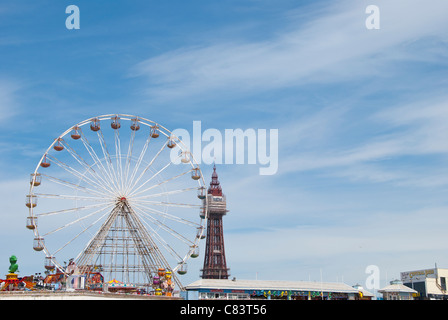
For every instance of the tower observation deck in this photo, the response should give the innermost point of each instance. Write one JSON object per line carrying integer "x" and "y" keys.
{"x": 215, "y": 266}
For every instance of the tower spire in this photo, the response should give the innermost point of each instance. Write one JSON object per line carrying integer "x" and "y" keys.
{"x": 215, "y": 187}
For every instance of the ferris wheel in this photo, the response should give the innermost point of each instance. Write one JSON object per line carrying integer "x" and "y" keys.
{"x": 120, "y": 195}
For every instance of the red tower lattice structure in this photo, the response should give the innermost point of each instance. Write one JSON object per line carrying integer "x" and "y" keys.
{"x": 215, "y": 266}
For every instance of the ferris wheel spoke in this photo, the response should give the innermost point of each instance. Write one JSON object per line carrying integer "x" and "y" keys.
{"x": 146, "y": 169}
{"x": 169, "y": 204}
{"x": 72, "y": 185}
{"x": 129, "y": 157}
{"x": 169, "y": 216}
{"x": 96, "y": 159}
{"x": 76, "y": 173}
{"x": 108, "y": 158}
{"x": 133, "y": 194}
{"x": 160, "y": 239}
{"x": 118, "y": 159}
{"x": 84, "y": 164}
{"x": 70, "y": 210}
{"x": 79, "y": 234}
{"x": 137, "y": 165}
{"x": 164, "y": 193}
{"x": 63, "y": 196}
{"x": 148, "y": 180}
{"x": 165, "y": 227}
{"x": 77, "y": 220}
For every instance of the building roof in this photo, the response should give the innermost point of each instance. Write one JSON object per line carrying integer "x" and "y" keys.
{"x": 270, "y": 285}
{"x": 397, "y": 287}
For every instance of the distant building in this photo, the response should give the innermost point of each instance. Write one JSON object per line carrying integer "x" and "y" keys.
{"x": 397, "y": 291}
{"x": 270, "y": 290}
{"x": 363, "y": 294}
{"x": 430, "y": 283}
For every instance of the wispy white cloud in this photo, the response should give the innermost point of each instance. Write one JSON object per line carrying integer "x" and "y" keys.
{"x": 330, "y": 48}
{"x": 413, "y": 130}
{"x": 8, "y": 99}
{"x": 381, "y": 238}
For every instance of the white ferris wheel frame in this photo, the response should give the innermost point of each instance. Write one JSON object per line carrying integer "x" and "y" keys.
{"x": 82, "y": 177}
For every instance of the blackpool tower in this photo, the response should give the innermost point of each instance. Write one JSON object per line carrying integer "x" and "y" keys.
{"x": 215, "y": 266}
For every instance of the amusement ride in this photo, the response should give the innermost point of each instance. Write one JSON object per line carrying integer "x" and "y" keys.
{"x": 120, "y": 196}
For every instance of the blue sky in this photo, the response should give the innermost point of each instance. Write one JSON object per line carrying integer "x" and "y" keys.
{"x": 362, "y": 118}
